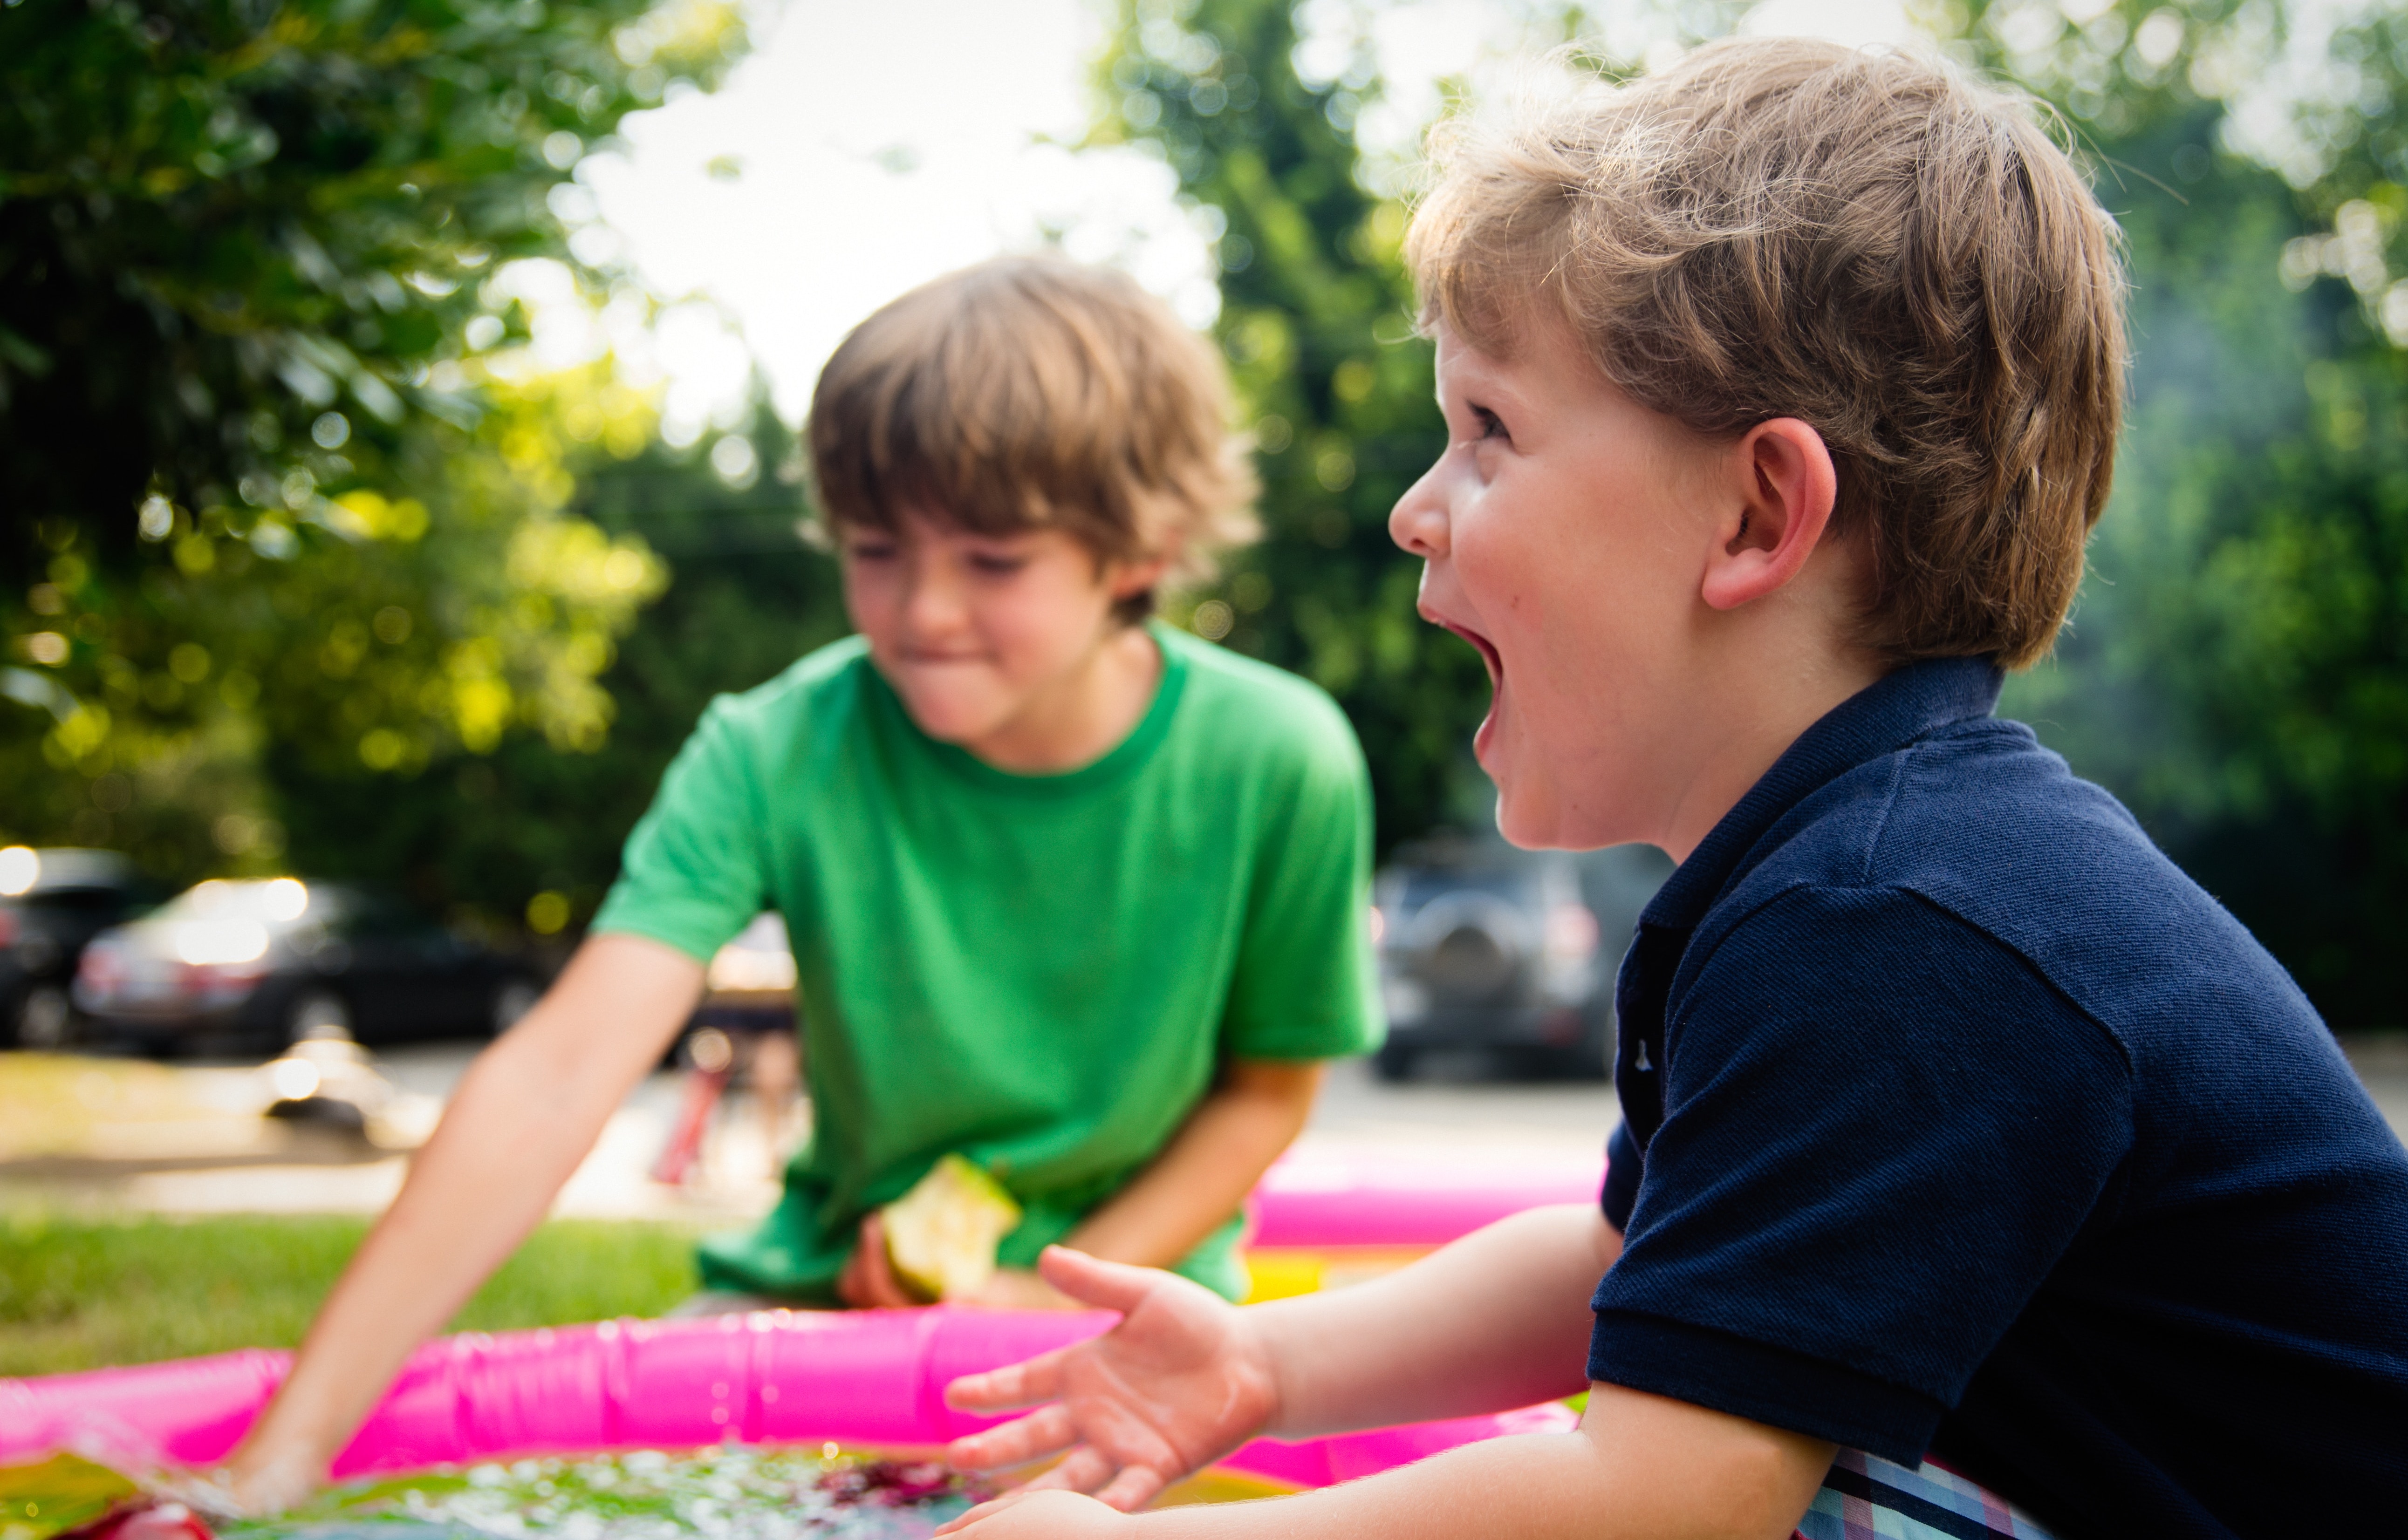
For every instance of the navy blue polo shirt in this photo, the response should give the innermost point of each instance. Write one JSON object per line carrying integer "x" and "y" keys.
{"x": 1959, "y": 1120}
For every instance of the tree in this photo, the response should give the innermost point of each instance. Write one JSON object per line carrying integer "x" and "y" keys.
{"x": 233, "y": 230}
{"x": 2237, "y": 669}
{"x": 265, "y": 501}
{"x": 529, "y": 830}
{"x": 1316, "y": 320}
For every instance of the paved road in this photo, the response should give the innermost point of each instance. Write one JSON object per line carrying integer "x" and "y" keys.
{"x": 189, "y": 1140}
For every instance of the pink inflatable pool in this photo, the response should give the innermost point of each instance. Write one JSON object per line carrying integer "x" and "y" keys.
{"x": 867, "y": 1378}
{"x": 1314, "y": 1199}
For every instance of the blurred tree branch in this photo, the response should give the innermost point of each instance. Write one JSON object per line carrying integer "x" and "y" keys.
{"x": 261, "y": 489}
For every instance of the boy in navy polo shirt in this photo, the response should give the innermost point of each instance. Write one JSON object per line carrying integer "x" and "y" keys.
{"x": 1978, "y": 1175}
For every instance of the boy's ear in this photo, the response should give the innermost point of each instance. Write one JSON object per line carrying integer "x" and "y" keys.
{"x": 1129, "y": 579}
{"x": 1787, "y": 486}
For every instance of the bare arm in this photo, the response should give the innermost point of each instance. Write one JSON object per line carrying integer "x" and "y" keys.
{"x": 526, "y": 1113}
{"x": 1496, "y": 1320}
{"x": 1438, "y": 1338}
{"x": 1208, "y": 1168}
{"x": 1640, "y": 1468}
{"x": 1500, "y": 1319}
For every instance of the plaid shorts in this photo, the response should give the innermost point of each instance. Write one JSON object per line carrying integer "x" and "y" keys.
{"x": 1865, "y": 1497}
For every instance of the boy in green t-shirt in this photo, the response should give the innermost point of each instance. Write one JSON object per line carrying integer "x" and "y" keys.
{"x": 1071, "y": 894}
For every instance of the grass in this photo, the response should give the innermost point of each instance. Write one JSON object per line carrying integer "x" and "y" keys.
{"x": 79, "y": 1293}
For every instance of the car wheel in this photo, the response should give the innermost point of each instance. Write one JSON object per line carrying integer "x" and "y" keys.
{"x": 1394, "y": 1063}
{"x": 514, "y": 999}
{"x": 319, "y": 1013}
{"x": 43, "y": 1017}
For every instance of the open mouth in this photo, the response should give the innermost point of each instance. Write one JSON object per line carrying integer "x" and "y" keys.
{"x": 1487, "y": 653}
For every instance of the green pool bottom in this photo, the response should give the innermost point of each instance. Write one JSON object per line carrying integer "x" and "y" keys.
{"x": 726, "y": 1493}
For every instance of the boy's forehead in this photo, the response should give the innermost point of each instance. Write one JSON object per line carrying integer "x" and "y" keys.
{"x": 1539, "y": 353}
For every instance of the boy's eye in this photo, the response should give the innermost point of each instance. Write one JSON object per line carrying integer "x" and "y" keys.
{"x": 869, "y": 550}
{"x": 1491, "y": 425}
{"x": 993, "y": 565}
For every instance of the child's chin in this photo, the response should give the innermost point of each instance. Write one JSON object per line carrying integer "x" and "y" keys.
{"x": 948, "y": 720}
{"x": 1522, "y": 824}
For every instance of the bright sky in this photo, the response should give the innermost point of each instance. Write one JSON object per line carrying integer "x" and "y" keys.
{"x": 863, "y": 149}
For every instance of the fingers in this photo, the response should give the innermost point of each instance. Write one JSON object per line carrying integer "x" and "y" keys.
{"x": 1033, "y": 1437}
{"x": 1112, "y": 1285}
{"x": 1012, "y": 1387}
{"x": 870, "y": 1274}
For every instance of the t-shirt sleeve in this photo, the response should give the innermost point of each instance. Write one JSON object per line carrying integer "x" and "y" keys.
{"x": 1305, "y": 985}
{"x": 1882, "y": 1129}
{"x": 693, "y": 874}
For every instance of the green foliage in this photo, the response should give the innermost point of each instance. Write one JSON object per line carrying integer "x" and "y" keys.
{"x": 2235, "y": 670}
{"x": 1316, "y": 318}
{"x": 277, "y": 497}
{"x": 77, "y": 1293}
{"x": 484, "y": 833}
{"x": 222, "y": 219}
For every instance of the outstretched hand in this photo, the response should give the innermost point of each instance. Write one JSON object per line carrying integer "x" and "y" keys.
{"x": 1180, "y": 1381}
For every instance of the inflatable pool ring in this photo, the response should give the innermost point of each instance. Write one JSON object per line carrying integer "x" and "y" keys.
{"x": 869, "y": 1378}
{"x": 1320, "y": 1220}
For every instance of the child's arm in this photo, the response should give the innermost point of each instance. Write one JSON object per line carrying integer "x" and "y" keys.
{"x": 1640, "y": 1468}
{"x": 524, "y": 1115}
{"x": 1208, "y": 1166}
{"x": 1499, "y": 1318}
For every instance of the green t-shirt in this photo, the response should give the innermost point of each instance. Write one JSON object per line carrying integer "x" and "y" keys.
{"x": 1040, "y": 972}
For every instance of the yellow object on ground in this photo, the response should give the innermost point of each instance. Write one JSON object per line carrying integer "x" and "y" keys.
{"x": 941, "y": 1236}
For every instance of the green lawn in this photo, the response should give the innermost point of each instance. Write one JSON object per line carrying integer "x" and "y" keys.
{"x": 76, "y": 1293}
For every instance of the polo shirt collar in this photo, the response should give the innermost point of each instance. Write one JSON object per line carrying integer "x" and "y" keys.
{"x": 1895, "y": 710}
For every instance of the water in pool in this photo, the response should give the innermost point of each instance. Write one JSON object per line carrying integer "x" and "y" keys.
{"x": 731, "y": 1493}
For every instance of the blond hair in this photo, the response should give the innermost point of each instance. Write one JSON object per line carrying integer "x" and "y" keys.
{"x": 1866, "y": 241}
{"x": 1032, "y": 392}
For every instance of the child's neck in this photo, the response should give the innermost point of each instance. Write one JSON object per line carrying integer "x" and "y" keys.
{"x": 1763, "y": 710}
{"x": 1084, "y": 715}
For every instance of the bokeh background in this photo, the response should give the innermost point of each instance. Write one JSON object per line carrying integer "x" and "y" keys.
{"x": 396, "y": 395}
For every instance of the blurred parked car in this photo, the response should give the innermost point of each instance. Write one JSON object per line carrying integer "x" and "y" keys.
{"x": 263, "y": 964}
{"x": 1484, "y": 947}
{"x": 51, "y": 903}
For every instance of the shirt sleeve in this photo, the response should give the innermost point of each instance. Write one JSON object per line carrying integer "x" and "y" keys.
{"x": 1881, "y": 1130}
{"x": 1305, "y": 985}
{"x": 694, "y": 873}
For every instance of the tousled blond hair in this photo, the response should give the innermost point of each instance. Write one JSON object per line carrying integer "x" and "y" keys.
{"x": 1029, "y": 393}
{"x": 1866, "y": 241}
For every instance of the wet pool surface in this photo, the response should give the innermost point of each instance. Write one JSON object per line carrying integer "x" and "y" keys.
{"x": 720, "y": 1494}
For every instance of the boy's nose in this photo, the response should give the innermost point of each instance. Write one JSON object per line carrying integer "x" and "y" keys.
{"x": 932, "y": 603}
{"x": 1418, "y": 522}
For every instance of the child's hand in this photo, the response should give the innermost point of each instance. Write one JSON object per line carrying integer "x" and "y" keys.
{"x": 1180, "y": 1382}
{"x": 254, "y": 1483}
{"x": 868, "y": 1280}
{"x": 1040, "y": 1515}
